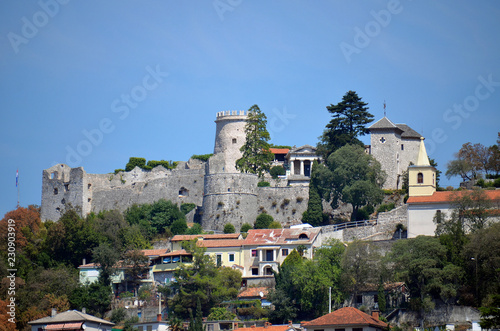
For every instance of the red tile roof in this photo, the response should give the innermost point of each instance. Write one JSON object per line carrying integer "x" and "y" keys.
{"x": 254, "y": 292}
{"x": 279, "y": 150}
{"x": 268, "y": 328}
{"x": 154, "y": 252}
{"x": 182, "y": 237}
{"x": 281, "y": 236}
{"x": 344, "y": 317}
{"x": 448, "y": 196}
{"x": 175, "y": 253}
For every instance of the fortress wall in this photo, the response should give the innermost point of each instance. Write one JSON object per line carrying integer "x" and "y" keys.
{"x": 284, "y": 204}
{"x": 229, "y": 198}
{"x": 124, "y": 189}
{"x": 62, "y": 186}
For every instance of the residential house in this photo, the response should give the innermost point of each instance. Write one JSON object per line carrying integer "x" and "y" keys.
{"x": 157, "y": 325}
{"x": 346, "y": 319}
{"x": 265, "y": 249}
{"x": 396, "y": 295}
{"x": 279, "y": 156}
{"x": 255, "y": 293}
{"x": 71, "y": 320}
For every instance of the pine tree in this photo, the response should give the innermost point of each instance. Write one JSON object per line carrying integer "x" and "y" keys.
{"x": 350, "y": 117}
{"x": 256, "y": 157}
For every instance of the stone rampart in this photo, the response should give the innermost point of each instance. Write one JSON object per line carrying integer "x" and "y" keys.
{"x": 284, "y": 204}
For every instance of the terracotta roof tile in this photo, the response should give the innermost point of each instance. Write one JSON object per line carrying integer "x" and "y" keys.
{"x": 448, "y": 196}
{"x": 345, "y": 316}
{"x": 153, "y": 252}
{"x": 281, "y": 236}
{"x": 254, "y": 292}
{"x": 182, "y": 237}
{"x": 269, "y": 328}
{"x": 279, "y": 150}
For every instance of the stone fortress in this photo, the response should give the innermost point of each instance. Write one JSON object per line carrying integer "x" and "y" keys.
{"x": 221, "y": 193}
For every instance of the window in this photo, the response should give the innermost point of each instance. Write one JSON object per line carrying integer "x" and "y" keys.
{"x": 66, "y": 187}
{"x": 149, "y": 328}
{"x": 56, "y": 191}
{"x": 382, "y": 140}
{"x": 255, "y": 271}
{"x": 402, "y": 147}
{"x": 231, "y": 257}
{"x": 375, "y": 298}
{"x": 234, "y": 140}
{"x": 269, "y": 255}
{"x": 339, "y": 329}
{"x": 254, "y": 253}
{"x": 268, "y": 271}
{"x": 89, "y": 186}
{"x": 284, "y": 252}
{"x": 219, "y": 260}
{"x": 420, "y": 178}
{"x": 357, "y": 329}
{"x": 359, "y": 299}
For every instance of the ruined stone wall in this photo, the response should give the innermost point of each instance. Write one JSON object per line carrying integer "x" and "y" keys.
{"x": 96, "y": 192}
{"x": 62, "y": 186}
{"x": 284, "y": 204}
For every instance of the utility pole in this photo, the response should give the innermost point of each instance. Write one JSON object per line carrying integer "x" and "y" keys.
{"x": 330, "y": 300}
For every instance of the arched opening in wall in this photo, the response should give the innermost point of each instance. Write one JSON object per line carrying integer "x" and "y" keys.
{"x": 268, "y": 271}
{"x": 303, "y": 236}
{"x": 183, "y": 192}
{"x": 56, "y": 191}
{"x": 420, "y": 178}
{"x": 66, "y": 187}
{"x": 63, "y": 201}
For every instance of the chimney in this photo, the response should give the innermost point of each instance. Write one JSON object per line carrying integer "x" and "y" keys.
{"x": 375, "y": 314}
{"x": 84, "y": 261}
{"x": 158, "y": 317}
{"x": 53, "y": 313}
{"x": 84, "y": 310}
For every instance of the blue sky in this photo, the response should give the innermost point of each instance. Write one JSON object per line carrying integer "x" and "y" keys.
{"x": 92, "y": 83}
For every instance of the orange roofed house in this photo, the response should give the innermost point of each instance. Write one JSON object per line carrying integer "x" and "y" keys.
{"x": 345, "y": 319}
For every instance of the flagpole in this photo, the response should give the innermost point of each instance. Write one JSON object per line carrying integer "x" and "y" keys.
{"x": 17, "y": 185}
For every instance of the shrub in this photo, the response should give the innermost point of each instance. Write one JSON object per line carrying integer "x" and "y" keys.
{"x": 229, "y": 228}
{"x": 195, "y": 229}
{"x": 118, "y": 315}
{"x": 300, "y": 199}
{"x": 202, "y": 157}
{"x": 117, "y": 171}
{"x": 277, "y": 171}
{"x": 275, "y": 225}
{"x": 135, "y": 162}
{"x": 179, "y": 227}
{"x": 165, "y": 164}
{"x": 263, "y": 184}
{"x": 245, "y": 227}
{"x": 263, "y": 221}
{"x": 187, "y": 207}
{"x": 386, "y": 207}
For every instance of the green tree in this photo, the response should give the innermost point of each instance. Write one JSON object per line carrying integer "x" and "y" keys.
{"x": 349, "y": 120}
{"x": 245, "y": 227}
{"x": 482, "y": 264}
{"x": 361, "y": 265}
{"x": 381, "y": 297}
{"x": 164, "y": 214}
{"x": 105, "y": 257}
{"x": 422, "y": 264}
{"x": 179, "y": 226}
{"x": 352, "y": 176}
{"x": 95, "y": 297}
{"x": 277, "y": 171}
{"x": 195, "y": 229}
{"x": 257, "y": 157}
{"x": 490, "y": 314}
{"x": 314, "y": 213}
{"x": 203, "y": 280}
{"x": 135, "y": 162}
{"x": 274, "y": 225}
{"x": 263, "y": 221}
{"x": 220, "y": 314}
{"x": 229, "y": 228}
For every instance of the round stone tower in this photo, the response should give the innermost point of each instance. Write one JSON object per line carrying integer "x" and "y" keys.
{"x": 230, "y": 136}
{"x": 229, "y": 195}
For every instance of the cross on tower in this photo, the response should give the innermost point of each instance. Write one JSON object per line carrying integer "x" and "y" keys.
{"x": 382, "y": 140}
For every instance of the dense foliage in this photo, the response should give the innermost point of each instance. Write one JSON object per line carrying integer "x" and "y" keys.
{"x": 257, "y": 157}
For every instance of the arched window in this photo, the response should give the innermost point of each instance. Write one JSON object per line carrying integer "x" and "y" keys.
{"x": 303, "y": 236}
{"x": 420, "y": 178}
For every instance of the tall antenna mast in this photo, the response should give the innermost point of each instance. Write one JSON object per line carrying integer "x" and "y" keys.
{"x": 384, "y": 108}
